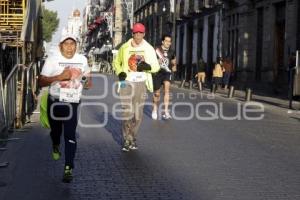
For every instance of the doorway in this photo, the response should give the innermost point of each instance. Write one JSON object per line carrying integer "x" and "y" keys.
{"x": 210, "y": 46}
{"x": 259, "y": 43}
{"x": 279, "y": 43}
{"x": 189, "y": 50}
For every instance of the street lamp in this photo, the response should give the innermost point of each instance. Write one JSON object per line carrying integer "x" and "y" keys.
{"x": 164, "y": 8}
{"x": 173, "y": 19}
{"x": 167, "y": 14}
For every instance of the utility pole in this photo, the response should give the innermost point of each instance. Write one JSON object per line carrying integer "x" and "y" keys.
{"x": 173, "y": 15}
{"x": 128, "y": 6}
{"x": 17, "y": 47}
{"x": 298, "y": 27}
{"x": 220, "y": 29}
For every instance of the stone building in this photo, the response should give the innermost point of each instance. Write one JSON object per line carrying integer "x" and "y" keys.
{"x": 74, "y": 23}
{"x": 157, "y": 17}
{"x": 198, "y": 34}
{"x": 259, "y": 36}
{"x": 123, "y": 19}
{"x": 74, "y": 26}
{"x": 195, "y": 27}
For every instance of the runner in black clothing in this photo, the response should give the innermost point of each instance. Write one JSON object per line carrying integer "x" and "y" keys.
{"x": 167, "y": 61}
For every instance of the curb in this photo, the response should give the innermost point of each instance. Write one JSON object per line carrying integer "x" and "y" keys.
{"x": 239, "y": 97}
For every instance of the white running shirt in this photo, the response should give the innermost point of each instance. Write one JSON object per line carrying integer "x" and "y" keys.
{"x": 55, "y": 65}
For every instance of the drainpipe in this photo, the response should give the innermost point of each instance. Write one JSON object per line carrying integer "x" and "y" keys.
{"x": 220, "y": 29}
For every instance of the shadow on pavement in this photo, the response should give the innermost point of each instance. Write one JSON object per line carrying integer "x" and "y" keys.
{"x": 113, "y": 126}
{"x": 148, "y": 110}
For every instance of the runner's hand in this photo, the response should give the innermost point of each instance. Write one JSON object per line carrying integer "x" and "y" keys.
{"x": 143, "y": 66}
{"x": 65, "y": 75}
{"x": 122, "y": 76}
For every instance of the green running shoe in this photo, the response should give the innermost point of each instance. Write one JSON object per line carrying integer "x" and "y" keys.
{"x": 55, "y": 152}
{"x": 67, "y": 177}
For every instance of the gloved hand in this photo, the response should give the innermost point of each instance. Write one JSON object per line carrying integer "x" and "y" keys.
{"x": 143, "y": 66}
{"x": 122, "y": 76}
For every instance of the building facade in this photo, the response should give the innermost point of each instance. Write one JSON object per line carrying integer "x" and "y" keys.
{"x": 157, "y": 16}
{"x": 260, "y": 36}
{"x": 123, "y": 19}
{"x": 74, "y": 24}
{"x": 198, "y": 35}
{"x": 98, "y": 28}
{"x": 195, "y": 27}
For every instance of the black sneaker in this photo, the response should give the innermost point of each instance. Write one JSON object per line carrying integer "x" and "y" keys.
{"x": 133, "y": 146}
{"x": 126, "y": 146}
{"x": 67, "y": 177}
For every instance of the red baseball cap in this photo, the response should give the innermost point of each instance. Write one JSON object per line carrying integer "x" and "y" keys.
{"x": 138, "y": 27}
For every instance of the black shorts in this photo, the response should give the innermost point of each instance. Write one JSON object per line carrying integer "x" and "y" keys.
{"x": 159, "y": 78}
{"x": 217, "y": 80}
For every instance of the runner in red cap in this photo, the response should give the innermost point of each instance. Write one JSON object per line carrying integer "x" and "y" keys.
{"x": 134, "y": 63}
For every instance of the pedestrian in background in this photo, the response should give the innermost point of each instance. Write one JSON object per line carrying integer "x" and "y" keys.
{"x": 65, "y": 74}
{"x": 228, "y": 70}
{"x": 134, "y": 63}
{"x": 167, "y": 61}
{"x": 217, "y": 75}
{"x": 201, "y": 73}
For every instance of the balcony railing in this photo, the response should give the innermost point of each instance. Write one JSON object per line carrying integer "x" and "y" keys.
{"x": 186, "y": 9}
{"x": 12, "y": 14}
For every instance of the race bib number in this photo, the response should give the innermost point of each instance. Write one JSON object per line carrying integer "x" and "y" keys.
{"x": 69, "y": 95}
{"x": 137, "y": 76}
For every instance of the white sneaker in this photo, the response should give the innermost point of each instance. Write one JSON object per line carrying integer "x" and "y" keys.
{"x": 167, "y": 116}
{"x": 154, "y": 115}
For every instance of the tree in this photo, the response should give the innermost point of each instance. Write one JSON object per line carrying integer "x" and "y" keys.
{"x": 50, "y": 23}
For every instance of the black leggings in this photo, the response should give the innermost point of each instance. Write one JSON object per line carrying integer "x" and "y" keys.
{"x": 62, "y": 120}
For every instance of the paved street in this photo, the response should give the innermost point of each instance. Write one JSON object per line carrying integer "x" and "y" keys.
{"x": 192, "y": 159}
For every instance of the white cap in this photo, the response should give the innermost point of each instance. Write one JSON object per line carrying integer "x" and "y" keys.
{"x": 67, "y": 36}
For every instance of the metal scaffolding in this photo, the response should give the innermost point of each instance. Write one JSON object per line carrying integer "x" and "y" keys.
{"x": 12, "y": 14}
